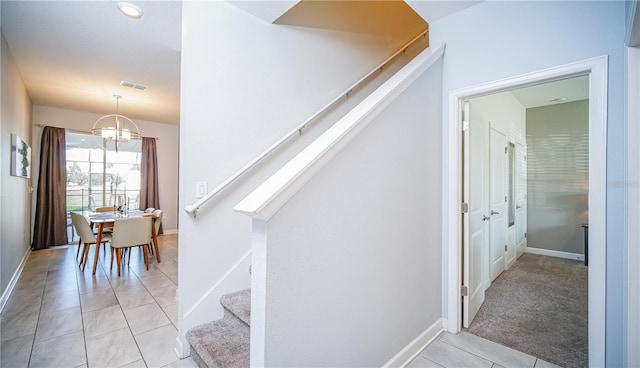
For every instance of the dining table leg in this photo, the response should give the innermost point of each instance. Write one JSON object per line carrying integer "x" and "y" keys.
{"x": 98, "y": 243}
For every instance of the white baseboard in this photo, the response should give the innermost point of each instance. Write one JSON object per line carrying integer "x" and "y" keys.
{"x": 487, "y": 284}
{"x": 14, "y": 279}
{"x": 208, "y": 307}
{"x": 555, "y": 253}
{"x": 182, "y": 348}
{"x": 170, "y": 231}
{"x": 409, "y": 352}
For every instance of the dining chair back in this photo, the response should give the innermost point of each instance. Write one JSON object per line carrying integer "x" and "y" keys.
{"x": 157, "y": 220}
{"x": 82, "y": 228}
{"x": 149, "y": 210}
{"x": 157, "y": 214}
{"x": 107, "y": 229}
{"x": 131, "y": 232}
{"x": 106, "y": 209}
{"x": 87, "y": 237}
{"x": 70, "y": 225}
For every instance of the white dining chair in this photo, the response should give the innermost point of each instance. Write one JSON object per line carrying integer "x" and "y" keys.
{"x": 87, "y": 237}
{"x": 128, "y": 233}
{"x": 106, "y": 209}
{"x": 106, "y": 229}
{"x": 157, "y": 214}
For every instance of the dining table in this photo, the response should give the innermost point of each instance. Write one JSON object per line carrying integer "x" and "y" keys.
{"x": 103, "y": 220}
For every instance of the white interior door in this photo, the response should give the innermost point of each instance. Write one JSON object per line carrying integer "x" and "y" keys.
{"x": 476, "y": 195}
{"x": 521, "y": 198}
{"x": 498, "y": 202}
{"x": 511, "y": 254}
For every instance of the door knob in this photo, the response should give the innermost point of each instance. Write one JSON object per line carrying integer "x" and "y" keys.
{"x": 494, "y": 212}
{"x": 485, "y": 218}
{"x": 518, "y": 207}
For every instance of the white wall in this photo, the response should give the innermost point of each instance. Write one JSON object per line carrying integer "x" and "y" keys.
{"x": 353, "y": 263}
{"x": 505, "y": 113}
{"x": 558, "y": 176}
{"x": 15, "y": 230}
{"x": 245, "y": 84}
{"x": 166, "y": 145}
{"x": 495, "y": 40}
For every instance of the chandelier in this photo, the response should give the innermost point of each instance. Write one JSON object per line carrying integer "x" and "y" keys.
{"x": 115, "y": 128}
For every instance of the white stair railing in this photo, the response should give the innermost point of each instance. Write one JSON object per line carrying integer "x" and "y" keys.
{"x": 193, "y": 208}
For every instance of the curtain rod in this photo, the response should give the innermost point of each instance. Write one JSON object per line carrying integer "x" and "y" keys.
{"x": 78, "y": 131}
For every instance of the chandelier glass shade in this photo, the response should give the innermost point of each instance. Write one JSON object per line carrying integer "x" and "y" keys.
{"x": 115, "y": 128}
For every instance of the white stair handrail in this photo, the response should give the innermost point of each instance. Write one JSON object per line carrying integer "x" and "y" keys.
{"x": 272, "y": 194}
{"x": 193, "y": 208}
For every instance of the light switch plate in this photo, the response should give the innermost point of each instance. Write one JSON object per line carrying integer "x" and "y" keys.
{"x": 201, "y": 189}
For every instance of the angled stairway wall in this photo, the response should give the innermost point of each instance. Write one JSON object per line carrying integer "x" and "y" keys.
{"x": 347, "y": 262}
{"x": 245, "y": 83}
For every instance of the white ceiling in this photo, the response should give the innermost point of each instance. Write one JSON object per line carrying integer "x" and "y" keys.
{"x": 433, "y": 10}
{"x": 551, "y": 93}
{"x": 73, "y": 55}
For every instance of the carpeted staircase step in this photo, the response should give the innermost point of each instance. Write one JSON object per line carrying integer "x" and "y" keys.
{"x": 239, "y": 303}
{"x": 224, "y": 343}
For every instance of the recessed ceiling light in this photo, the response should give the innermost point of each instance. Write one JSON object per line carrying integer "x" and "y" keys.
{"x": 130, "y": 10}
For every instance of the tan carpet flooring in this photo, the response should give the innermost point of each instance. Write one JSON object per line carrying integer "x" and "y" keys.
{"x": 540, "y": 307}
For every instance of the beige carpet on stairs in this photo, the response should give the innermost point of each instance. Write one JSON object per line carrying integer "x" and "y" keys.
{"x": 224, "y": 343}
{"x": 540, "y": 307}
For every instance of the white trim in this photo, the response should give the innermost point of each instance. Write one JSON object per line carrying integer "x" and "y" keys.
{"x": 221, "y": 287}
{"x": 258, "y": 294}
{"x": 181, "y": 348}
{"x": 631, "y": 303}
{"x": 597, "y": 68}
{"x": 14, "y": 280}
{"x": 208, "y": 307}
{"x": 170, "y": 231}
{"x": 555, "y": 253}
{"x": 487, "y": 284}
{"x": 411, "y": 351}
{"x": 269, "y": 197}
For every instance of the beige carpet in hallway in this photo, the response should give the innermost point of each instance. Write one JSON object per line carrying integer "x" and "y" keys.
{"x": 540, "y": 307}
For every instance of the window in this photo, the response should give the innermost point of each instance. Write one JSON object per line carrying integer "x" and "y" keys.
{"x": 96, "y": 178}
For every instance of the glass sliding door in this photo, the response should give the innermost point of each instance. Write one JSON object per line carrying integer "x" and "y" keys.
{"x": 99, "y": 178}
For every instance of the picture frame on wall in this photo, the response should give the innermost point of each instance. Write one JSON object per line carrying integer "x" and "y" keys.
{"x": 20, "y": 157}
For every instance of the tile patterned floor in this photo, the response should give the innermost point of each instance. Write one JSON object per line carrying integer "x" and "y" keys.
{"x": 59, "y": 316}
{"x": 467, "y": 350}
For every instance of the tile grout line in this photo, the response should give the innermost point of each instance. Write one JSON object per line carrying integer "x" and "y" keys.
{"x": 84, "y": 335}
{"x": 33, "y": 343}
{"x": 57, "y": 268}
{"x": 124, "y": 315}
{"x": 40, "y": 309}
{"x": 474, "y": 354}
{"x": 450, "y": 344}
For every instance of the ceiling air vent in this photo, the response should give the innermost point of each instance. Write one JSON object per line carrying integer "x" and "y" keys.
{"x": 141, "y": 87}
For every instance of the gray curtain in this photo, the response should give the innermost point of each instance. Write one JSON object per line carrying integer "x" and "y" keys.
{"x": 149, "y": 196}
{"x": 50, "y": 226}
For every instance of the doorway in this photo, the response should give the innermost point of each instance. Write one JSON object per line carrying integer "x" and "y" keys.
{"x": 548, "y": 124}
{"x": 495, "y": 189}
{"x": 453, "y": 223}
